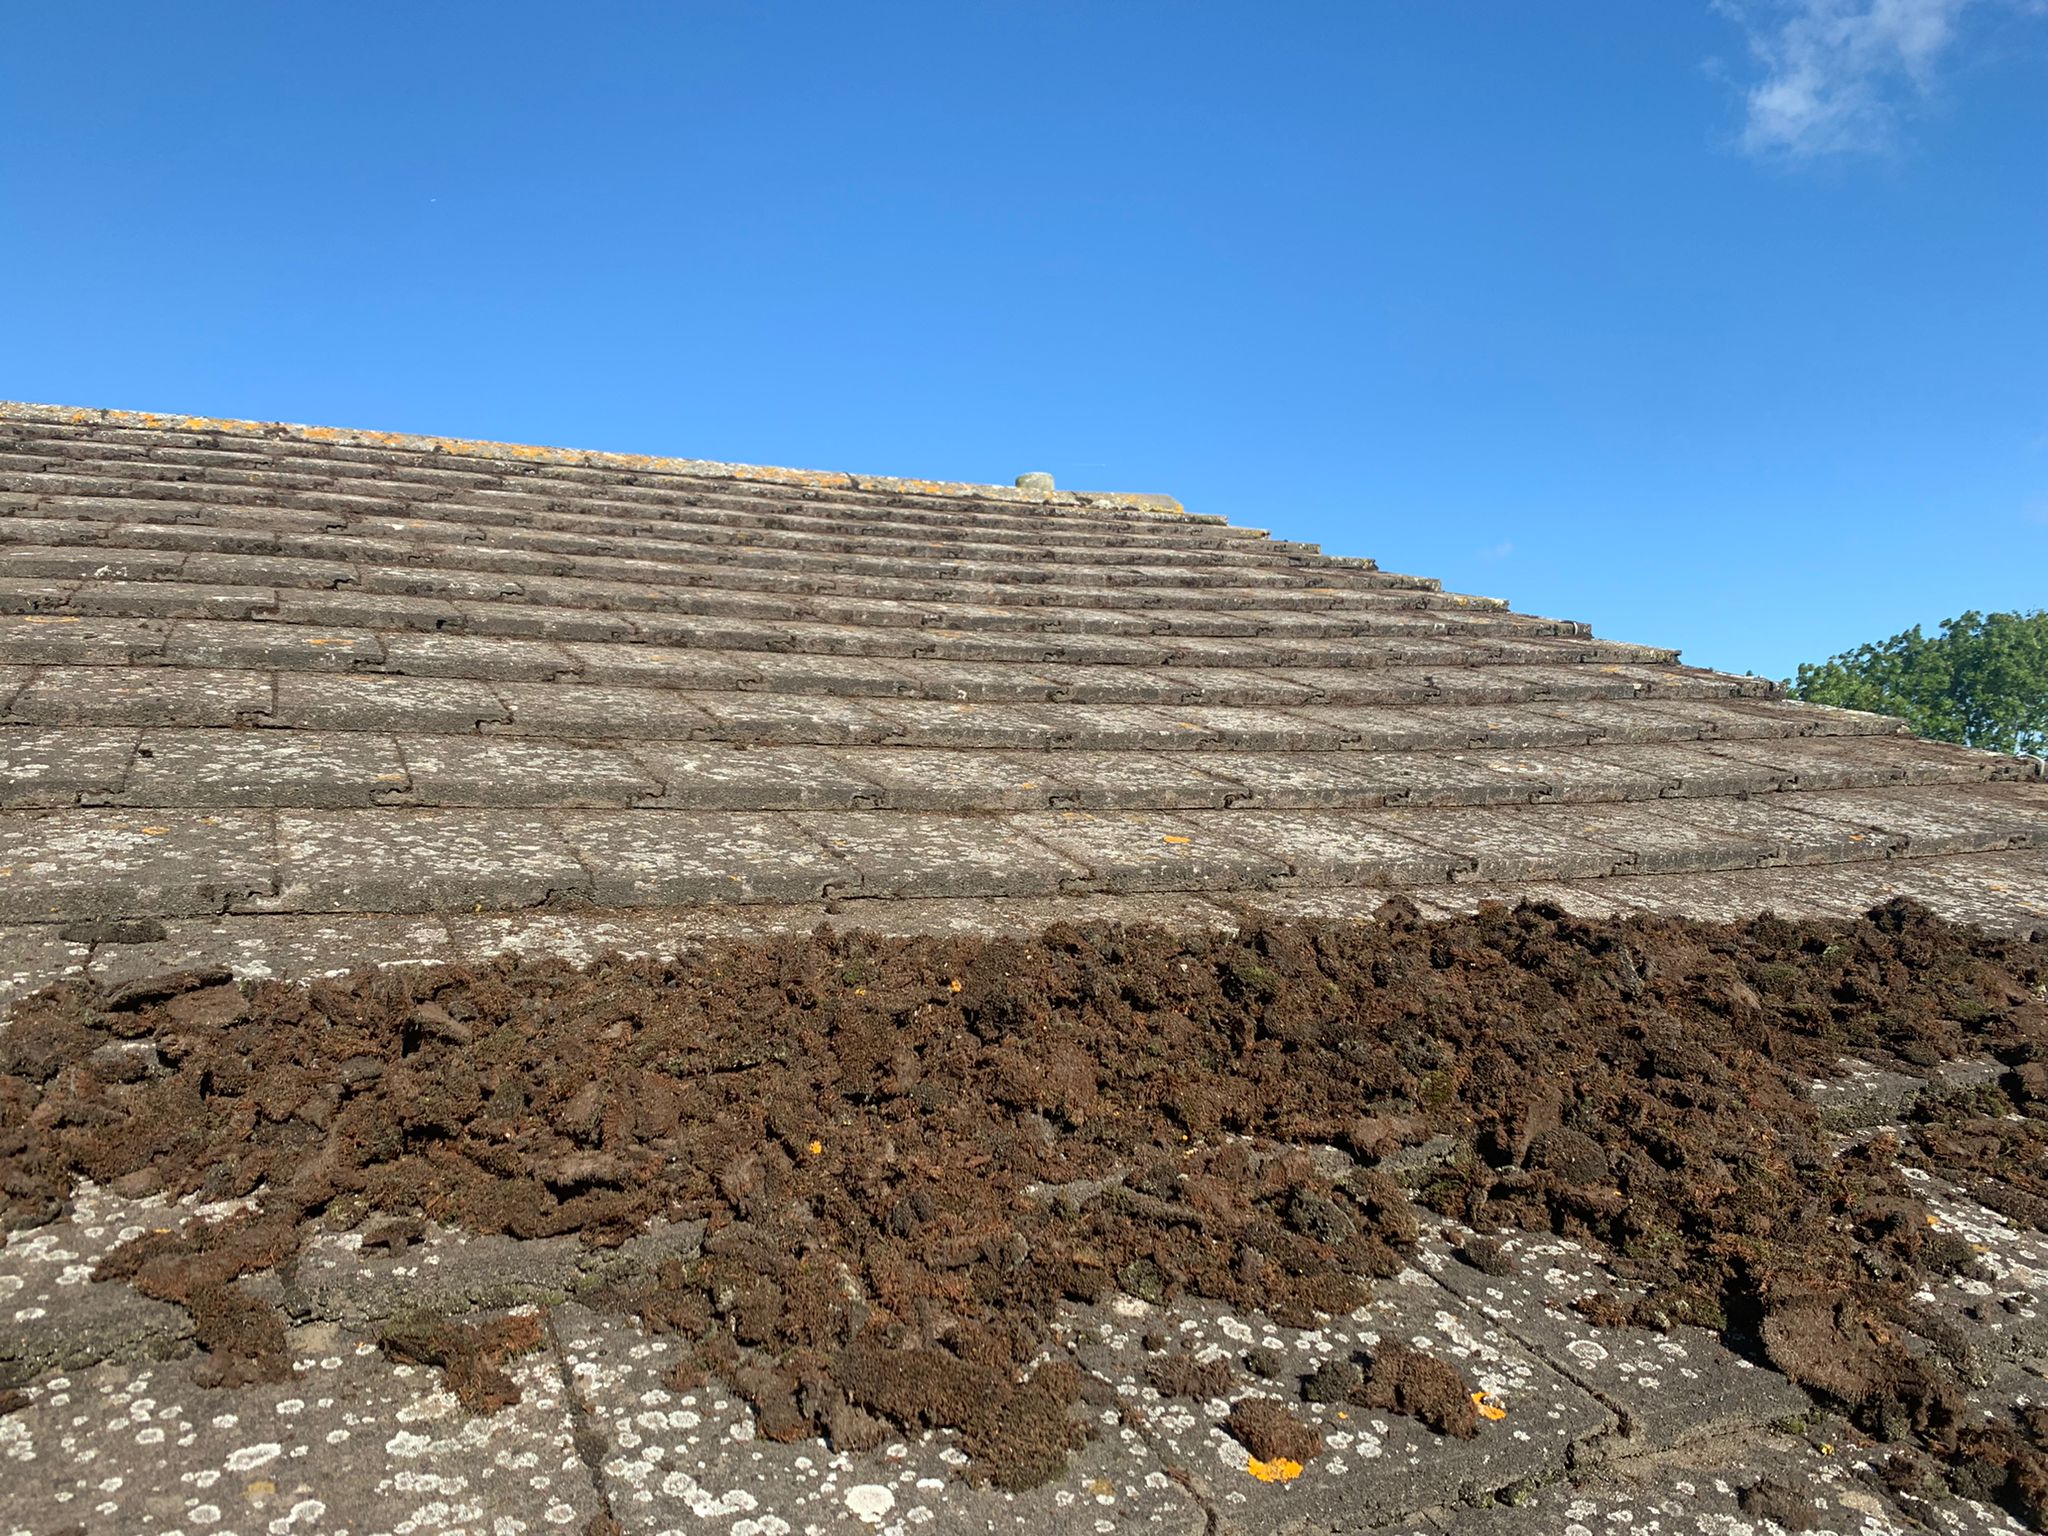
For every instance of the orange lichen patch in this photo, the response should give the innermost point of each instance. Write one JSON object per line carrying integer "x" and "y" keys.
{"x": 1490, "y": 1406}
{"x": 1278, "y": 1470}
{"x": 953, "y": 985}
{"x": 1168, "y": 837}
{"x": 816, "y": 1147}
{"x": 46, "y": 618}
{"x": 330, "y": 640}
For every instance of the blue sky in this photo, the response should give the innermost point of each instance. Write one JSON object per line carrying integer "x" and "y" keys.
{"x": 1717, "y": 326}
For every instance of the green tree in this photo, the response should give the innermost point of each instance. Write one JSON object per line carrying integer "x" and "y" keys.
{"x": 1982, "y": 682}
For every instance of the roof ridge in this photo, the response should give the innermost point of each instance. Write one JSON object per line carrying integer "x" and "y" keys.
{"x": 589, "y": 458}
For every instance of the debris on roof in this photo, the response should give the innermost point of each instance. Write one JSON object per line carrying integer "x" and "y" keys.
{"x": 1080, "y": 1017}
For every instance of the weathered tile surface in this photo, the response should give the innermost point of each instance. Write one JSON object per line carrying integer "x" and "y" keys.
{"x": 449, "y": 706}
{"x": 1375, "y": 1467}
{"x": 352, "y": 1442}
{"x": 234, "y": 769}
{"x": 949, "y": 856}
{"x": 690, "y": 1460}
{"x": 57, "y": 768}
{"x": 686, "y": 858}
{"x": 1665, "y": 1389}
{"x": 198, "y": 696}
{"x": 419, "y": 629}
{"x": 1138, "y": 851}
{"x": 420, "y": 860}
{"x": 1707, "y": 1489}
{"x": 502, "y": 771}
{"x": 57, "y": 866}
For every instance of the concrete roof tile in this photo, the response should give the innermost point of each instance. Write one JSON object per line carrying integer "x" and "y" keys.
{"x": 382, "y": 677}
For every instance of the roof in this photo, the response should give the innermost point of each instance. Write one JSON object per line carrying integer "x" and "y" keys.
{"x": 295, "y": 698}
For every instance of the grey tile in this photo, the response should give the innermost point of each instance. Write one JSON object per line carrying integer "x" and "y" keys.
{"x": 380, "y": 702}
{"x": 672, "y": 858}
{"x": 1142, "y": 781}
{"x": 67, "y": 640}
{"x": 890, "y": 854}
{"x": 212, "y": 769}
{"x": 773, "y": 719}
{"x": 352, "y": 1437}
{"x": 171, "y": 600}
{"x": 671, "y": 1460}
{"x": 1698, "y": 1491}
{"x": 404, "y": 860}
{"x": 62, "y": 767}
{"x": 1930, "y": 820}
{"x": 192, "y": 696}
{"x": 281, "y": 947}
{"x": 1507, "y": 844}
{"x": 660, "y": 666}
{"x": 65, "y": 865}
{"x": 1694, "y": 772}
{"x": 32, "y": 955}
{"x": 506, "y": 771}
{"x": 1664, "y": 837}
{"x": 717, "y": 776}
{"x": 1375, "y": 1467}
{"x": 911, "y": 779}
{"x": 1667, "y": 1388}
{"x": 297, "y": 648}
{"x": 583, "y": 712}
{"x": 1138, "y": 851}
{"x": 1349, "y": 848}
{"x": 487, "y": 658}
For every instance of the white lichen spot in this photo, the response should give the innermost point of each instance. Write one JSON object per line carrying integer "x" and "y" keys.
{"x": 869, "y": 1502}
{"x": 250, "y": 1457}
{"x": 406, "y": 1443}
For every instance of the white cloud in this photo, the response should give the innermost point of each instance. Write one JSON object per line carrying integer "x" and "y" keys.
{"x": 1836, "y": 73}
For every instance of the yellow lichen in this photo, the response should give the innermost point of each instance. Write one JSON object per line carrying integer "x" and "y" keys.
{"x": 1490, "y": 1406}
{"x": 1278, "y": 1470}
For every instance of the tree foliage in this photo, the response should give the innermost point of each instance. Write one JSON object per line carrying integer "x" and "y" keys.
{"x": 1981, "y": 682}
